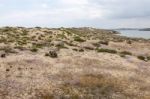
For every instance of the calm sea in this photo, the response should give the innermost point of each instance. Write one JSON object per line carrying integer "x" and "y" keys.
{"x": 135, "y": 33}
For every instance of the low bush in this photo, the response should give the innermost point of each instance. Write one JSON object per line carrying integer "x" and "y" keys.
{"x": 126, "y": 53}
{"x": 61, "y": 46}
{"x": 78, "y": 39}
{"x": 148, "y": 58}
{"x": 81, "y": 50}
{"x": 96, "y": 44}
{"x": 8, "y": 49}
{"x": 107, "y": 50}
{"x": 75, "y": 49}
{"x": 144, "y": 58}
{"x": 141, "y": 58}
{"x": 34, "y": 49}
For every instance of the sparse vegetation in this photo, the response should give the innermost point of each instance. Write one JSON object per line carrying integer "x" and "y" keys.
{"x": 144, "y": 58}
{"x": 89, "y": 86}
{"x": 125, "y": 53}
{"x": 107, "y": 50}
{"x": 148, "y": 58}
{"x": 75, "y": 49}
{"x": 34, "y": 49}
{"x": 141, "y": 58}
{"x": 81, "y": 50}
{"x": 78, "y": 39}
{"x": 72, "y": 74}
{"x": 61, "y": 46}
{"x": 7, "y": 49}
{"x": 96, "y": 44}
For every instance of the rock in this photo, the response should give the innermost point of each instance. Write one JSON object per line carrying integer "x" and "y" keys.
{"x": 53, "y": 54}
{"x": 3, "y": 55}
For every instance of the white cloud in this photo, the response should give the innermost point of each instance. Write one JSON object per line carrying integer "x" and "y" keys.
{"x": 97, "y": 13}
{"x": 44, "y": 5}
{"x": 74, "y": 2}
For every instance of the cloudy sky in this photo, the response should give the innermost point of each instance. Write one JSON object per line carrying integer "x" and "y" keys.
{"x": 75, "y": 13}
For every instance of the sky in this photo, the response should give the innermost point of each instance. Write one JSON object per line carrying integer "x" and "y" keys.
{"x": 75, "y": 13}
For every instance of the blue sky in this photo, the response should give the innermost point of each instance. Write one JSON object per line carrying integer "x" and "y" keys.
{"x": 75, "y": 13}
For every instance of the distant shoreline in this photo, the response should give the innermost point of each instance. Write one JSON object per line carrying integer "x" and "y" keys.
{"x": 143, "y": 29}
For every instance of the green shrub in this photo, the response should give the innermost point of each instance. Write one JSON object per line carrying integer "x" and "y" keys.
{"x": 70, "y": 43}
{"x": 46, "y": 54}
{"x": 34, "y": 49}
{"x": 148, "y": 58}
{"x": 126, "y": 53}
{"x": 24, "y": 32}
{"x": 107, "y": 50}
{"x": 75, "y": 49}
{"x": 8, "y": 49}
{"x": 141, "y": 58}
{"x": 81, "y": 50}
{"x": 78, "y": 39}
{"x": 20, "y": 48}
{"x": 122, "y": 55}
{"x": 96, "y": 44}
{"x": 61, "y": 46}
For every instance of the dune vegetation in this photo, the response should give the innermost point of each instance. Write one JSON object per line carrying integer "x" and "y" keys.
{"x": 72, "y": 63}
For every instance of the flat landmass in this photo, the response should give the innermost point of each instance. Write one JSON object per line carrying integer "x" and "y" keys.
{"x": 145, "y": 29}
{"x": 72, "y": 63}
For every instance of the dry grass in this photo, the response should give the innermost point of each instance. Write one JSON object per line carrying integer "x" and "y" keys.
{"x": 95, "y": 87}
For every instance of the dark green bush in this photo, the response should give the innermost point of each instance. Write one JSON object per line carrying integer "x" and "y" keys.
{"x": 107, "y": 50}
{"x": 148, "y": 58}
{"x": 96, "y": 44}
{"x": 126, "y": 53}
{"x": 81, "y": 50}
{"x": 78, "y": 39}
{"x": 75, "y": 49}
{"x": 8, "y": 49}
{"x": 141, "y": 58}
{"x": 46, "y": 54}
{"x": 122, "y": 55}
{"x": 34, "y": 49}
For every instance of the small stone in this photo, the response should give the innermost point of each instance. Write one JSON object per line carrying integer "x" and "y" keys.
{"x": 3, "y": 55}
{"x": 53, "y": 54}
{"x": 7, "y": 70}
